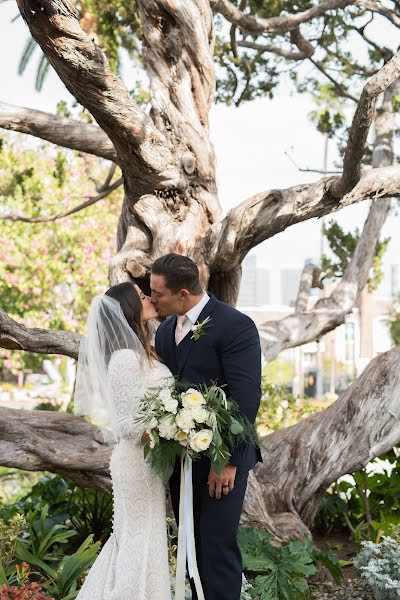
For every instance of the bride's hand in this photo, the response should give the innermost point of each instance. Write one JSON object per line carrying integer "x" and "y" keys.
{"x": 145, "y": 438}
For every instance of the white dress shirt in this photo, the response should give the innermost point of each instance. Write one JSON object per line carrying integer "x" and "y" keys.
{"x": 193, "y": 314}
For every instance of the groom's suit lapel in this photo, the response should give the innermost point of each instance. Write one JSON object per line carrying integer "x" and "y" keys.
{"x": 186, "y": 345}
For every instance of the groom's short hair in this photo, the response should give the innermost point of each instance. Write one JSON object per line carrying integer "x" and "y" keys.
{"x": 179, "y": 272}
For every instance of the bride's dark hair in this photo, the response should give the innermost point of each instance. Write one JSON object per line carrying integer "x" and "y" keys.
{"x": 131, "y": 305}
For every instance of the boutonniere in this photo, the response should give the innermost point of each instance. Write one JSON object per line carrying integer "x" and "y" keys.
{"x": 198, "y": 329}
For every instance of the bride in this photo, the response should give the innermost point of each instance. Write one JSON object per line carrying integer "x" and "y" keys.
{"x": 116, "y": 366}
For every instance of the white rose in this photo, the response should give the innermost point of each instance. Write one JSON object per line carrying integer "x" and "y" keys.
{"x": 184, "y": 419}
{"x": 201, "y": 440}
{"x": 200, "y": 414}
{"x": 192, "y": 398}
{"x": 167, "y": 427}
{"x": 181, "y": 437}
{"x": 169, "y": 403}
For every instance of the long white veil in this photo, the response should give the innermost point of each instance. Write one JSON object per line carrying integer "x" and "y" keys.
{"x": 107, "y": 331}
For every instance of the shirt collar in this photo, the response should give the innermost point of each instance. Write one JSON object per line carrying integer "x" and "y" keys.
{"x": 194, "y": 313}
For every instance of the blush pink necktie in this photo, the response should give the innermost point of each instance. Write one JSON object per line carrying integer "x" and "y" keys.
{"x": 179, "y": 328}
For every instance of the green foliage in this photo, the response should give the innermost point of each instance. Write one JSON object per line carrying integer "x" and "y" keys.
{"x": 369, "y": 506}
{"x": 39, "y": 543}
{"x": 396, "y": 103}
{"x": 87, "y": 511}
{"x": 342, "y": 246}
{"x": 329, "y": 116}
{"x": 15, "y": 483}
{"x": 9, "y": 532}
{"x": 281, "y": 572}
{"x": 63, "y": 582}
{"x": 49, "y": 272}
{"x": 279, "y": 409}
{"x": 44, "y": 541}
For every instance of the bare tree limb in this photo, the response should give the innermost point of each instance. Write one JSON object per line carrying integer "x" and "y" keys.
{"x": 377, "y": 7}
{"x": 92, "y": 200}
{"x": 268, "y": 213}
{"x": 264, "y": 215}
{"x": 310, "y": 278}
{"x": 14, "y": 336}
{"x": 56, "y": 442}
{"x": 306, "y": 50}
{"x": 253, "y": 24}
{"x": 68, "y": 133}
{"x": 83, "y": 68}
{"x": 361, "y": 124}
{"x": 305, "y": 326}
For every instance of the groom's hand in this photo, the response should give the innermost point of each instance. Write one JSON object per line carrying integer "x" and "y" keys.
{"x": 221, "y": 484}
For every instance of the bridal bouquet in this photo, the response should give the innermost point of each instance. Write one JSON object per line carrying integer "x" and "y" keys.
{"x": 200, "y": 421}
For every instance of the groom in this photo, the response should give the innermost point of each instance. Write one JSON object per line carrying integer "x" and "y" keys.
{"x": 227, "y": 353}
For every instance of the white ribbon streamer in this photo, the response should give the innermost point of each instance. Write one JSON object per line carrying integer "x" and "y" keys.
{"x": 186, "y": 543}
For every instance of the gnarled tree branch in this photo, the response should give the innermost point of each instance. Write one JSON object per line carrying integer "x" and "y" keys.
{"x": 253, "y": 24}
{"x": 68, "y": 133}
{"x": 56, "y": 442}
{"x": 305, "y": 49}
{"x": 266, "y": 214}
{"x": 14, "y": 336}
{"x": 307, "y": 325}
{"x": 361, "y": 124}
{"x": 377, "y": 7}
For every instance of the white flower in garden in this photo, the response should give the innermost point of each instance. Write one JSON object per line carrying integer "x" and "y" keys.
{"x": 184, "y": 419}
{"x": 192, "y": 398}
{"x": 200, "y": 414}
{"x": 201, "y": 440}
{"x": 181, "y": 437}
{"x": 167, "y": 427}
{"x": 169, "y": 403}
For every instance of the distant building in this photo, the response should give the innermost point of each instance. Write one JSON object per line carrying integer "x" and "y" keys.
{"x": 290, "y": 280}
{"x": 255, "y": 284}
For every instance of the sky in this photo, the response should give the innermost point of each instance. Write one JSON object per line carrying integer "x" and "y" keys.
{"x": 251, "y": 143}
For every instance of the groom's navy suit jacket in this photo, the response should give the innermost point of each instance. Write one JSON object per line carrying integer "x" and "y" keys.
{"x": 228, "y": 354}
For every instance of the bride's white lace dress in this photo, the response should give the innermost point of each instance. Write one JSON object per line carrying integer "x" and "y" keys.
{"x": 133, "y": 563}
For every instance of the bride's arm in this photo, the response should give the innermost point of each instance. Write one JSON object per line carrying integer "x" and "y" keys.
{"x": 127, "y": 387}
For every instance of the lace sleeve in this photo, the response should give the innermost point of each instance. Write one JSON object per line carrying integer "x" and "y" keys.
{"x": 127, "y": 387}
